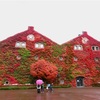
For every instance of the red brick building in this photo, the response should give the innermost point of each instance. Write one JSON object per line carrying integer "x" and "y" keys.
{"x": 78, "y": 60}
{"x": 86, "y": 57}
{"x": 19, "y": 51}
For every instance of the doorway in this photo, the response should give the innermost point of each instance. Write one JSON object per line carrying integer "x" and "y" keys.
{"x": 80, "y": 81}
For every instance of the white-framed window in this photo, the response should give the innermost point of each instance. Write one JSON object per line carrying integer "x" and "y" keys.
{"x": 84, "y": 40}
{"x": 39, "y": 45}
{"x": 20, "y": 44}
{"x": 36, "y": 57}
{"x": 75, "y": 58}
{"x": 96, "y": 59}
{"x": 78, "y": 47}
{"x": 61, "y": 58}
{"x": 30, "y": 37}
{"x": 95, "y": 48}
{"x": 6, "y": 82}
{"x": 18, "y": 57}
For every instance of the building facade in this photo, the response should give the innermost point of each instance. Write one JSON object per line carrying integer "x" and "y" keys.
{"x": 86, "y": 59}
{"x": 78, "y": 60}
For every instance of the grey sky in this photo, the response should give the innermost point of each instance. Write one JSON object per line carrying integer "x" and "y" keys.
{"x": 59, "y": 20}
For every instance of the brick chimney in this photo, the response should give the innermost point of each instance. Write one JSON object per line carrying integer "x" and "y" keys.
{"x": 84, "y": 32}
{"x": 30, "y": 28}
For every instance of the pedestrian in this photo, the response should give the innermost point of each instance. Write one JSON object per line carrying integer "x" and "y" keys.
{"x": 42, "y": 88}
{"x": 49, "y": 87}
{"x": 38, "y": 88}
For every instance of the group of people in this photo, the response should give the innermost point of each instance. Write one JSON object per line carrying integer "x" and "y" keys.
{"x": 40, "y": 88}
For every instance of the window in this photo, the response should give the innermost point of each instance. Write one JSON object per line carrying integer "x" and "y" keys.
{"x": 75, "y": 59}
{"x": 61, "y": 58}
{"x": 18, "y": 57}
{"x": 96, "y": 59}
{"x": 17, "y": 44}
{"x": 84, "y": 40}
{"x": 95, "y": 48}
{"x": 20, "y": 44}
{"x": 39, "y": 45}
{"x": 78, "y": 47}
{"x": 6, "y": 82}
{"x": 30, "y": 37}
{"x": 36, "y": 57}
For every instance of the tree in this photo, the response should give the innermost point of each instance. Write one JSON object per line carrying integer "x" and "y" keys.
{"x": 44, "y": 70}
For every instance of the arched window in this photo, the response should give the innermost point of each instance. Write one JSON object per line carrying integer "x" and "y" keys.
{"x": 96, "y": 59}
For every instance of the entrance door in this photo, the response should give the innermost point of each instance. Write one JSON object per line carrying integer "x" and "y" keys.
{"x": 80, "y": 81}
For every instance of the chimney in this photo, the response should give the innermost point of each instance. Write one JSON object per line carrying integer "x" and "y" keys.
{"x": 30, "y": 28}
{"x": 84, "y": 32}
{"x": 79, "y": 34}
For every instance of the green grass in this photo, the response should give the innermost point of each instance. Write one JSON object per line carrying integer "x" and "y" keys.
{"x": 96, "y": 85}
{"x": 23, "y": 87}
{"x": 16, "y": 87}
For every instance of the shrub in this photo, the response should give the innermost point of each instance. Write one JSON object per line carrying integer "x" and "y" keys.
{"x": 96, "y": 85}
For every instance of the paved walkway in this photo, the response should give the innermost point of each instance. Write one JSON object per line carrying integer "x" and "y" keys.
{"x": 58, "y": 94}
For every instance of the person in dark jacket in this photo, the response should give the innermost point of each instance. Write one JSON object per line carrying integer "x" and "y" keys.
{"x": 38, "y": 88}
{"x": 49, "y": 87}
{"x": 42, "y": 88}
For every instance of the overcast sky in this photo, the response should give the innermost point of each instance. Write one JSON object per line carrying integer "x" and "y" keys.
{"x": 59, "y": 20}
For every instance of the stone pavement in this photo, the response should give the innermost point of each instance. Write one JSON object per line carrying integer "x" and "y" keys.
{"x": 58, "y": 94}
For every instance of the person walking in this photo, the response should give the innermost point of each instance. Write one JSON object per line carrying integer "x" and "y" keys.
{"x": 42, "y": 88}
{"x": 38, "y": 88}
{"x": 49, "y": 87}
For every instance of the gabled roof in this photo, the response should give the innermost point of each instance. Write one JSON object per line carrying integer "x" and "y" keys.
{"x": 78, "y": 39}
{"x": 23, "y": 35}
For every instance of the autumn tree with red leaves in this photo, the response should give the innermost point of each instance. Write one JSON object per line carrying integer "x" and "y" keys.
{"x": 45, "y": 70}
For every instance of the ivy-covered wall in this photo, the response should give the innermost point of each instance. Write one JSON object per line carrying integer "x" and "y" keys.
{"x": 15, "y": 61}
